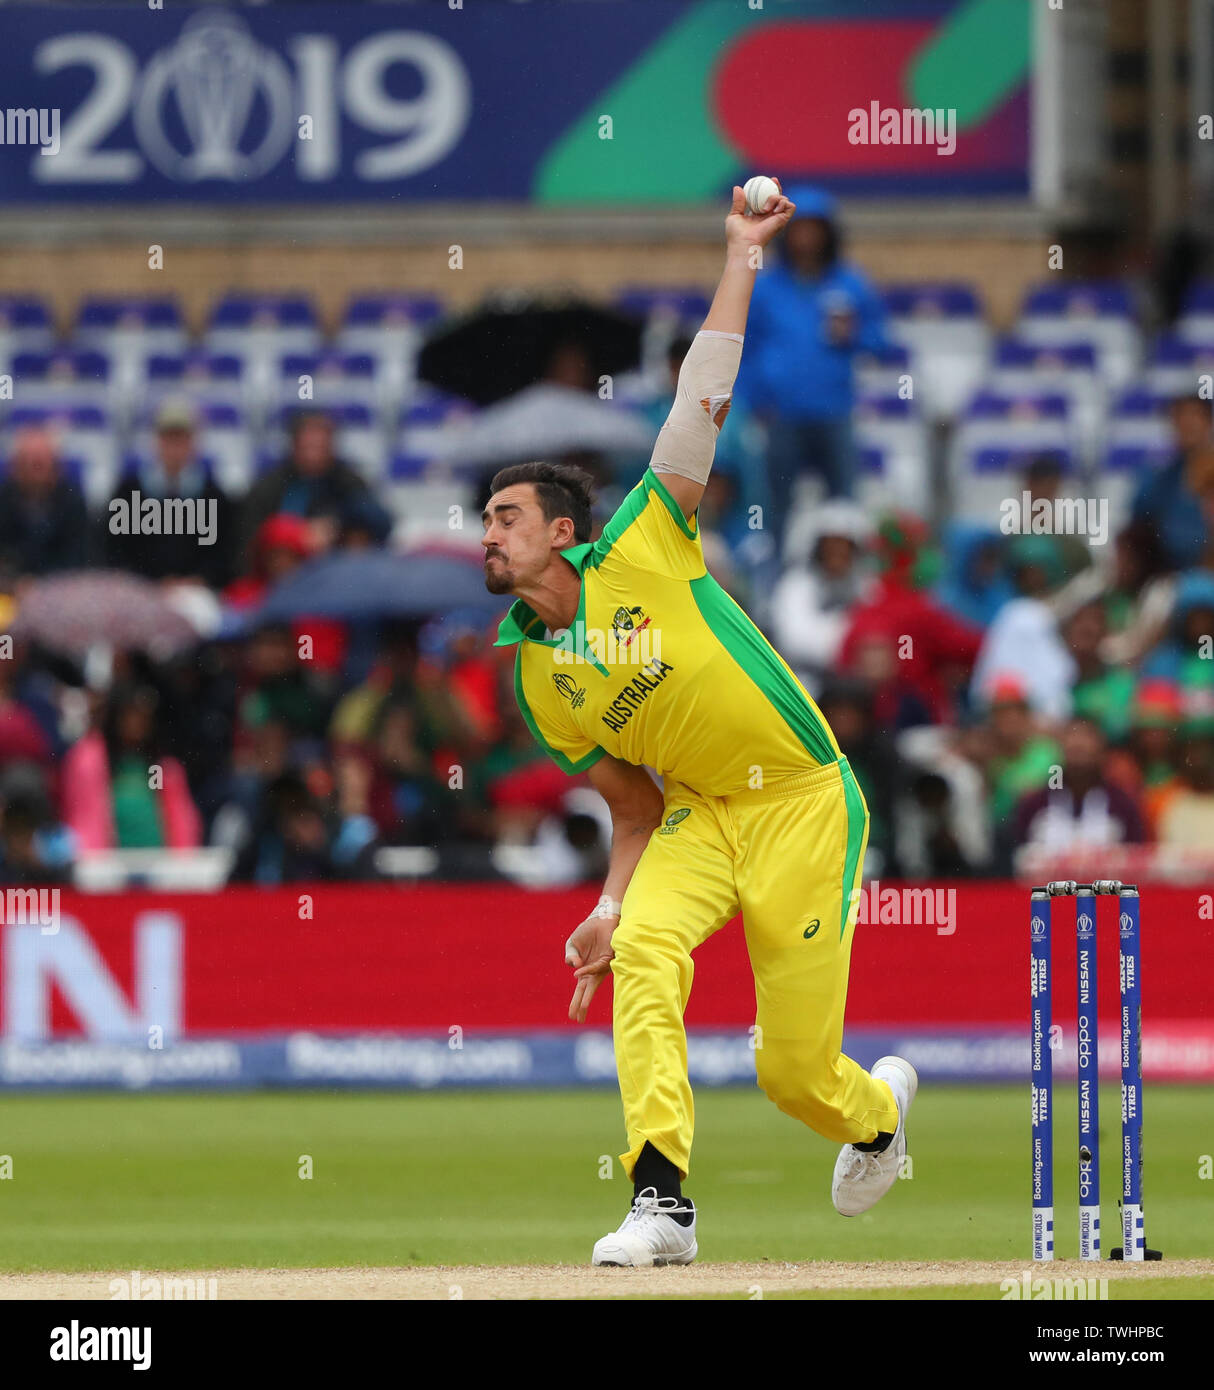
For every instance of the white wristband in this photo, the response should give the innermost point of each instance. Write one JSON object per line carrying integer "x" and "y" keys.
{"x": 607, "y": 907}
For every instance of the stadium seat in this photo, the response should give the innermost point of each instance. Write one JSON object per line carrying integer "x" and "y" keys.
{"x": 1138, "y": 438}
{"x": 666, "y": 311}
{"x": 995, "y": 441}
{"x": 46, "y": 378}
{"x": 1196, "y": 321}
{"x": 25, "y": 326}
{"x": 424, "y": 509}
{"x": 1099, "y": 312}
{"x": 421, "y": 429}
{"x": 892, "y": 449}
{"x": 389, "y": 328}
{"x": 119, "y": 325}
{"x": 337, "y": 378}
{"x": 882, "y": 373}
{"x": 127, "y": 330}
{"x": 1020, "y": 368}
{"x": 218, "y": 377}
{"x": 682, "y": 302}
{"x": 261, "y": 330}
{"x": 941, "y": 326}
{"x": 1177, "y": 366}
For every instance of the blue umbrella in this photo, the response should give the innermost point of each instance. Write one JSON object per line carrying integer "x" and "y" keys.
{"x": 379, "y": 584}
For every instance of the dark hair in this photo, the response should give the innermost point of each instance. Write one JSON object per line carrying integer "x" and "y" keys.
{"x": 562, "y": 489}
{"x": 1043, "y": 466}
{"x": 1192, "y": 398}
{"x": 832, "y": 238}
{"x": 299, "y": 418}
{"x": 123, "y": 696}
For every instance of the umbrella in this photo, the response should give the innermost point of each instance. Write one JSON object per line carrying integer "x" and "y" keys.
{"x": 70, "y": 613}
{"x": 508, "y": 344}
{"x": 542, "y": 422}
{"x": 378, "y": 584}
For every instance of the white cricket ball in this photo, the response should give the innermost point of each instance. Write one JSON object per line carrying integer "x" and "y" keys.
{"x": 760, "y": 192}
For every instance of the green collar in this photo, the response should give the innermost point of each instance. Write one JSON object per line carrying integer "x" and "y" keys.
{"x": 522, "y": 623}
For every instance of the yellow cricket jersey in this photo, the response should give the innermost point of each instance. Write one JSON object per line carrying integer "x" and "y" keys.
{"x": 661, "y": 666}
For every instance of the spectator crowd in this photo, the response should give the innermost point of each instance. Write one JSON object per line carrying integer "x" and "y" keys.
{"x": 992, "y": 690}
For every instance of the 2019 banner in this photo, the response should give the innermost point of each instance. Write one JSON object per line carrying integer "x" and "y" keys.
{"x": 466, "y": 985}
{"x": 602, "y": 101}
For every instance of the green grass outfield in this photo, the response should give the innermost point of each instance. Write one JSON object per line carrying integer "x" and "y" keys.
{"x": 115, "y": 1182}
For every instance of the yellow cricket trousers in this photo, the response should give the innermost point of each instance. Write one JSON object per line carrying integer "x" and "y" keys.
{"x": 789, "y": 857}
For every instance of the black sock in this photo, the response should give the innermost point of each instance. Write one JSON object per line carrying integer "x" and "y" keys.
{"x": 878, "y": 1146}
{"x": 654, "y": 1169}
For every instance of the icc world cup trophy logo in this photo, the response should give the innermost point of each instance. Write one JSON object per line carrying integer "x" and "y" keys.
{"x": 216, "y": 104}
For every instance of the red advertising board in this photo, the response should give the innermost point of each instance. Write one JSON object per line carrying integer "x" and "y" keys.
{"x": 488, "y": 957}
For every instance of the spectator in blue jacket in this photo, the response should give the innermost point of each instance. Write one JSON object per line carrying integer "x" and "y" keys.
{"x": 809, "y": 317}
{"x": 1168, "y": 498}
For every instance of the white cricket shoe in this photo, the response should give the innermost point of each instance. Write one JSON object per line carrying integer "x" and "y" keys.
{"x": 862, "y": 1179}
{"x": 649, "y": 1234}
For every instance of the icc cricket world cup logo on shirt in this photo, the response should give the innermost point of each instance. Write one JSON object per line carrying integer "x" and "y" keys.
{"x": 569, "y": 688}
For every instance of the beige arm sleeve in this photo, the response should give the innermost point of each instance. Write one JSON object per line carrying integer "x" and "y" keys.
{"x": 687, "y": 441}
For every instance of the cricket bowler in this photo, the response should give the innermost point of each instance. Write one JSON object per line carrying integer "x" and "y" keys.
{"x": 629, "y": 657}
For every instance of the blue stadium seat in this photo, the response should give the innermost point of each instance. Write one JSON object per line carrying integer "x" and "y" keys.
{"x": 391, "y": 312}
{"x": 127, "y": 330}
{"x": 407, "y": 468}
{"x": 114, "y": 323}
{"x": 881, "y": 373}
{"x": 999, "y": 435}
{"x": 1099, "y": 312}
{"x": 644, "y": 301}
{"x": 942, "y": 327}
{"x": 1138, "y": 438}
{"x": 1196, "y": 321}
{"x": 262, "y": 329}
{"x": 423, "y": 505}
{"x": 1020, "y": 368}
{"x": 389, "y": 328}
{"x": 1177, "y": 366}
{"x": 892, "y": 445}
{"x": 339, "y": 377}
{"x": 25, "y": 326}
{"x": 45, "y": 378}
{"x": 422, "y": 425}
{"x": 666, "y": 311}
